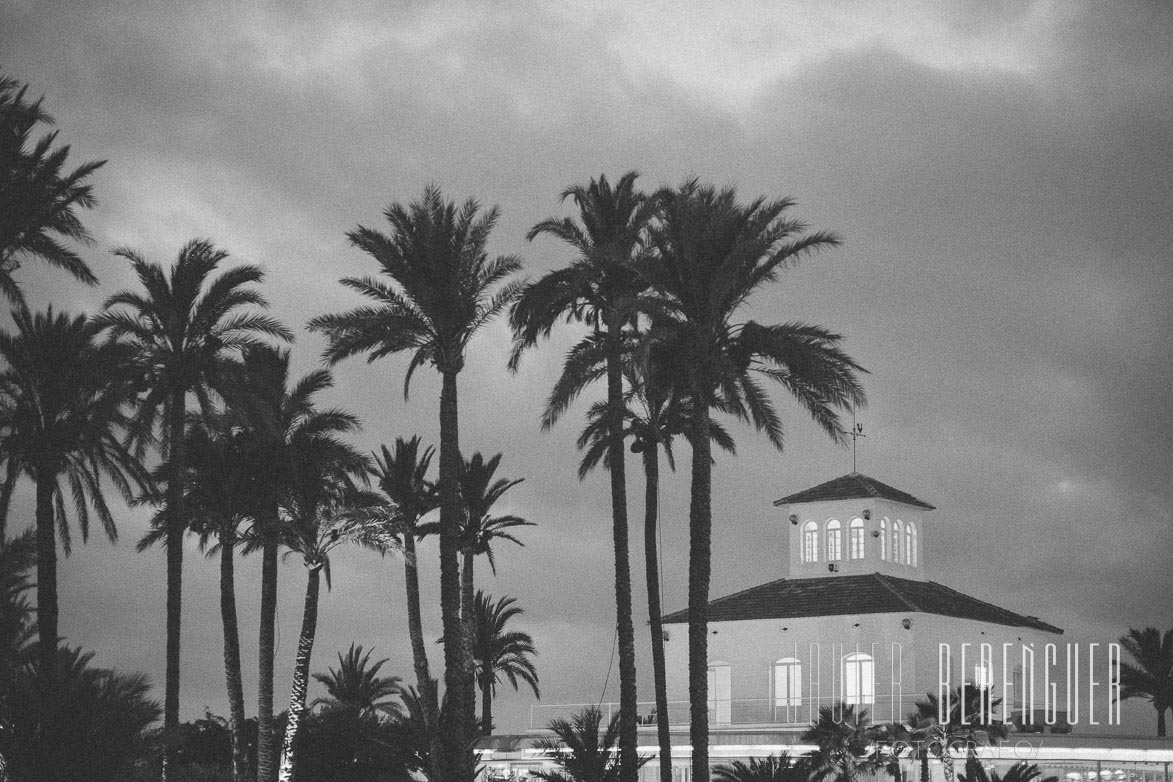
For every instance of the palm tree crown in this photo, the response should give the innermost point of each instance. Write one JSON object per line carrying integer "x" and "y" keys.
{"x": 1150, "y": 675}
{"x": 38, "y": 199}
{"x": 356, "y": 685}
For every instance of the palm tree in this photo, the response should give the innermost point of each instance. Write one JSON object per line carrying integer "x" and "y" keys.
{"x": 968, "y": 723}
{"x": 273, "y": 412}
{"x": 582, "y": 751}
{"x": 711, "y": 254}
{"x": 601, "y": 289}
{"x": 320, "y": 507}
{"x": 1019, "y": 772}
{"x": 184, "y": 329}
{"x": 356, "y": 685}
{"x": 38, "y": 199}
{"x": 480, "y": 493}
{"x": 218, "y": 497}
{"x": 441, "y": 287}
{"x": 775, "y": 768}
{"x": 402, "y": 476}
{"x": 843, "y": 737}
{"x": 1150, "y": 675}
{"x": 84, "y": 723}
{"x": 62, "y": 396}
{"x": 659, "y": 414}
{"x": 500, "y": 652}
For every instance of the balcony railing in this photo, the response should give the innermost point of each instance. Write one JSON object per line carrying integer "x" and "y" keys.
{"x": 783, "y": 713}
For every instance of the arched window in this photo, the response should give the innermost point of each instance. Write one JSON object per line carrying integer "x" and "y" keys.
{"x": 912, "y": 544}
{"x": 884, "y": 538}
{"x": 908, "y": 557}
{"x": 855, "y": 538}
{"x": 834, "y": 541}
{"x": 720, "y": 692}
{"x": 810, "y": 542}
{"x": 787, "y": 683}
{"x": 897, "y": 534}
{"x": 859, "y": 680}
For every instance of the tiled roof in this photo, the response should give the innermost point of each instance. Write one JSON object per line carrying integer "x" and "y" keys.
{"x": 873, "y": 593}
{"x": 850, "y": 487}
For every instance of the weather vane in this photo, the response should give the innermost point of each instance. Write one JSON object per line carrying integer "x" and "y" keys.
{"x": 856, "y": 433}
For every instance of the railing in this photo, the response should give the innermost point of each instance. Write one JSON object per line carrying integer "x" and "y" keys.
{"x": 784, "y": 713}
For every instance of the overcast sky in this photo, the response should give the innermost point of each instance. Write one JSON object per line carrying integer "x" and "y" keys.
{"x": 999, "y": 172}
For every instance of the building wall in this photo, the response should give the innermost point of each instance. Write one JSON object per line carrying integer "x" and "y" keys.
{"x": 905, "y": 662}
{"x": 883, "y": 513}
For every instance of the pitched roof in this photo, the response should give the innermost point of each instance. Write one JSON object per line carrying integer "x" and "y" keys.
{"x": 853, "y": 486}
{"x": 871, "y": 593}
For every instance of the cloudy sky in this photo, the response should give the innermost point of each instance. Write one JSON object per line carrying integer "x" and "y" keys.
{"x": 999, "y": 173}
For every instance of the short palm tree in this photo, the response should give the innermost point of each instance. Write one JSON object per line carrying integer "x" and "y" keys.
{"x": 321, "y": 506}
{"x": 969, "y": 722}
{"x": 583, "y": 749}
{"x": 402, "y": 475}
{"x": 1019, "y": 772}
{"x": 480, "y": 492}
{"x": 62, "y": 397}
{"x": 655, "y": 414}
{"x": 600, "y": 289}
{"x": 843, "y": 737}
{"x": 356, "y": 685}
{"x": 775, "y": 768}
{"x": 1150, "y": 674}
{"x": 439, "y": 288}
{"x": 39, "y": 198}
{"x": 273, "y": 412}
{"x": 184, "y": 329}
{"x": 84, "y": 723}
{"x": 500, "y": 652}
{"x": 712, "y": 253}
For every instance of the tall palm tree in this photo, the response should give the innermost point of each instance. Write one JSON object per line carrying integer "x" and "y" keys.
{"x": 654, "y": 414}
{"x": 500, "y": 652}
{"x": 711, "y": 254}
{"x": 357, "y": 686}
{"x": 62, "y": 396}
{"x": 843, "y": 737}
{"x": 440, "y": 287}
{"x": 39, "y": 200}
{"x": 185, "y": 327}
{"x": 480, "y": 492}
{"x": 320, "y": 507}
{"x": 274, "y": 412}
{"x": 1150, "y": 675}
{"x": 601, "y": 289}
{"x": 218, "y": 498}
{"x": 402, "y": 476}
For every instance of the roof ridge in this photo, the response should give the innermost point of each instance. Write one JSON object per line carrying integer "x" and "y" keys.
{"x": 900, "y": 595}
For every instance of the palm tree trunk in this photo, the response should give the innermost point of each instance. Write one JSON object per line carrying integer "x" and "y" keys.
{"x": 301, "y": 673}
{"x": 1161, "y": 723}
{"x": 652, "y": 566}
{"x": 466, "y": 587}
{"x": 925, "y": 775}
{"x": 625, "y": 631}
{"x": 232, "y": 658}
{"x": 266, "y": 768}
{"x": 419, "y": 653}
{"x": 46, "y": 575}
{"x": 456, "y": 721}
{"x": 700, "y": 524}
{"x": 176, "y": 523}
{"x": 486, "y": 700}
